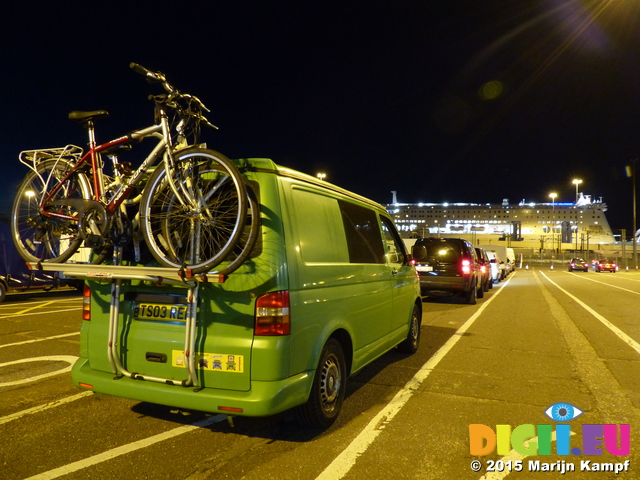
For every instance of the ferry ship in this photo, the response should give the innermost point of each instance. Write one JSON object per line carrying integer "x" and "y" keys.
{"x": 581, "y": 225}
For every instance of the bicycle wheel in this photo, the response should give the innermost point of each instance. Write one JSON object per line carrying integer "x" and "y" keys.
{"x": 200, "y": 226}
{"x": 247, "y": 242}
{"x": 41, "y": 236}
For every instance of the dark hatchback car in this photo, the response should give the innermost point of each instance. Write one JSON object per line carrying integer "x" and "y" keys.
{"x": 448, "y": 266}
{"x": 578, "y": 264}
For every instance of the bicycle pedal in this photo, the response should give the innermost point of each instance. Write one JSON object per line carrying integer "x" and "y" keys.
{"x": 94, "y": 241}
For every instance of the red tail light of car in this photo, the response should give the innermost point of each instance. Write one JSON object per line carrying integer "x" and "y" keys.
{"x": 466, "y": 267}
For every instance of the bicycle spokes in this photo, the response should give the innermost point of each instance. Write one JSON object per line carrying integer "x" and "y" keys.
{"x": 48, "y": 231}
{"x": 201, "y": 231}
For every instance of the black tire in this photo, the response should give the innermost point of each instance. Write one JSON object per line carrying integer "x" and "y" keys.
{"x": 480, "y": 290}
{"x": 412, "y": 342}
{"x": 470, "y": 296}
{"x": 3, "y": 291}
{"x": 200, "y": 229}
{"x": 328, "y": 389}
{"x": 39, "y": 236}
{"x": 248, "y": 240}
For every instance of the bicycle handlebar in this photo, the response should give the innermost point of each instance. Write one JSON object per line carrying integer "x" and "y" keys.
{"x": 174, "y": 93}
{"x": 151, "y": 76}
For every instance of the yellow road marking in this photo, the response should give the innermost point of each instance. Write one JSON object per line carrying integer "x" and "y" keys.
{"x": 32, "y": 308}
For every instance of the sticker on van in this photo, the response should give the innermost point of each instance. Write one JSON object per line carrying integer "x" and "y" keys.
{"x": 217, "y": 362}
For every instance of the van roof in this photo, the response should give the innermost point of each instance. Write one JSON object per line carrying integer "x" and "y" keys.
{"x": 267, "y": 165}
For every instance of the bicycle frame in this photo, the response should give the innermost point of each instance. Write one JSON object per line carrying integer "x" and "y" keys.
{"x": 93, "y": 158}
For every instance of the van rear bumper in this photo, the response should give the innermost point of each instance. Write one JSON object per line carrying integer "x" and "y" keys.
{"x": 264, "y": 398}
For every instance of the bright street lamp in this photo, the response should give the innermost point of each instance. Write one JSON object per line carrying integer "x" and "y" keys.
{"x": 577, "y": 182}
{"x": 321, "y": 176}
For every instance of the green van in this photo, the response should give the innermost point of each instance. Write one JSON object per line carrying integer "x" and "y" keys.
{"x": 327, "y": 289}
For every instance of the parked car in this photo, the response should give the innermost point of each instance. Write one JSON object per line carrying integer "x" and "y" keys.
{"x": 501, "y": 254}
{"x": 578, "y": 264}
{"x": 511, "y": 261}
{"x": 485, "y": 268}
{"x": 606, "y": 265}
{"x": 496, "y": 271}
{"x": 448, "y": 266}
{"x": 16, "y": 277}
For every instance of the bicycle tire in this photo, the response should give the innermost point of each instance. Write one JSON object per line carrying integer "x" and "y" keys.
{"x": 248, "y": 240}
{"x": 201, "y": 231}
{"x": 39, "y": 237}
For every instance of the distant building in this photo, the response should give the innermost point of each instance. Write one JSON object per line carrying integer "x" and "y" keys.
{"x": 583, "y": 222}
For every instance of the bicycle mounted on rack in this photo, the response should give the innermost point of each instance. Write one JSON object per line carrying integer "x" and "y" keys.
{"x": 195, "y": 208}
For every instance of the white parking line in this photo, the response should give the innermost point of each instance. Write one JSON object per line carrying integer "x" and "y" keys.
{"x": 27, "y": 313}
{"x": 40, "y": 339}
{"x": 70, "y": 359}
{"x": 343, "y": 462}
{"x": 39, "y": 302}
{"x": 623, "y": 336}
{"x": 635, "y": 292}
{"x": 124, "y": 449}
{"x": 42, "y": 408}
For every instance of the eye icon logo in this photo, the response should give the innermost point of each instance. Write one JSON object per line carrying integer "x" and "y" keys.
{"x": 563, "y": 412}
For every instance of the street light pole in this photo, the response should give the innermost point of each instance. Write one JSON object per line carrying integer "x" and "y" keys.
{"x": 577, "y": 182}
{"x": 553, "y": 221}
{"x": 635, "y": 246}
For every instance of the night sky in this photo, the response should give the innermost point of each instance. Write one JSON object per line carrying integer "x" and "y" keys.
{"x": 442, "y": 101}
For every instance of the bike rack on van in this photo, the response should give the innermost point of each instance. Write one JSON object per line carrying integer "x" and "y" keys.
{"x": 157, "y": 275}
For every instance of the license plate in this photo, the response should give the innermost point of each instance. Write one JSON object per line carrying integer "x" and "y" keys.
{"x": 424, "y": 268}
{"x": 163, "y": 312}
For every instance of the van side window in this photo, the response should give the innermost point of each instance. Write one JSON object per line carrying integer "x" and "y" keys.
{"x": 319, "y": 228}
{"x": 364, "y": 239}
{"x": 395, "y": 251}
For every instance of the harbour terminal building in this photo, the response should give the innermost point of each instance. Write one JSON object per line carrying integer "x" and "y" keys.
{"x": 555, "y": 226}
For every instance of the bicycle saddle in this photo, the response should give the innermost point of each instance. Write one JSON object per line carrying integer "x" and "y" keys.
{"x": 81, "y": 116}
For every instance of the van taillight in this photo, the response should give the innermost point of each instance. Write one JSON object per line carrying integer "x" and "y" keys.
{"x": 86, "y": 303}
{"x": 466, "y": 267}
{"x": 272, "y": 314}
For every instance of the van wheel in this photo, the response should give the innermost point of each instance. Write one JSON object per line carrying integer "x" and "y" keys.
{"x": 411, "y": 343}
{"x": 328, "y": 389}
{"x": 3, "y": 291}
{"x": 470, "y": 297}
